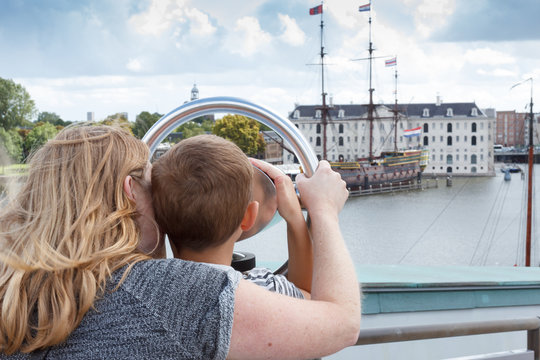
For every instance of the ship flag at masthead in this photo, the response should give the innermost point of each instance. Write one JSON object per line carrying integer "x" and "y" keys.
{"x": 315, "y": 10}
{"x": 366, "y": 7}
{"x": 391, "y": 62}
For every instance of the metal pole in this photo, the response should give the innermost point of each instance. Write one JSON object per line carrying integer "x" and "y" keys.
{"x": 529, "y": 189}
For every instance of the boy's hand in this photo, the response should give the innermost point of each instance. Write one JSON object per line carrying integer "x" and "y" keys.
{"x": 288, "y": 204}
{"x": 323, "y": 193}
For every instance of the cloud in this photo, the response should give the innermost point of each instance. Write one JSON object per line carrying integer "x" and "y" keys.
{"x": 487, "y": 56}
{"x": 200, "y": 24}
{"x": 498, "y": 73}
{"x": 247, "y": 38}
{"x": 292, "y": 34}
{"x": 134, "y": 65}
{"x": 159, "y": 17}
{"x": 431, "y": 15}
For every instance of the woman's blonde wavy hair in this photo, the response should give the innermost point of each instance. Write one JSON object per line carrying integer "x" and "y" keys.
{"x": 65, "y": 232}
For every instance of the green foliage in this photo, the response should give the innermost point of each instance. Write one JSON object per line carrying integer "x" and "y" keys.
{"x": 118, "y": 119}
{"x": 39, "y": 136}
{"x": 144, "y": 122}
{"x": 11, "y": 146}
{"x": 241, "y": 130}
{"x": 52, "y": 118}
{"x": 193, "y": 128}
{"x": 16, "y": 107}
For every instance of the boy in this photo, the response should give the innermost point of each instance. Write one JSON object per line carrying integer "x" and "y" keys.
{"x": 202, "y": 195}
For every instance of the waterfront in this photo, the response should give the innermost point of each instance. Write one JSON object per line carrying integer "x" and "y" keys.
{"x": 477, "y": 221}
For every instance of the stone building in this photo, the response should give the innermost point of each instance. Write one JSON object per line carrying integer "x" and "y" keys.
{"x": 459, "y": 136}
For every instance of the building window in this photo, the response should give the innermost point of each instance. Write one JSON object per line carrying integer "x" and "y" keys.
{"x": 457, "y": 126}
{"x": 363, "y": 139}
{"x": 473, "y": 169}
{"x": 426, "y": 127}
{"x": 425, "y": 113}
{"x": 449, "y": 141}
{"x": 481, "y": 138}
{"x": 449, "y": 112}
{"x": 382, "y": 139}
{"x": 426, "y": 142}
{"x": 473, "y": 159}
{"x": 481, "y": 157}
{"x": 433, "y": 157}
{"x": 449, "y": 159}
{"x": 442, "y": 138}
{"x": 449, "y": 169}
{"x": 296, "y": 114}
{"x": 457, "y": 157}
{"x": 341, "y": 128}
{"x": 356, "y": 139}
{"x": 318, "y": 130}
{"x": 318, "y": 114}
{"x": 465, "y": 138}
{"x": 473, "y": 127}
{"x": 341, "y": 113}
{"x": 449, "y": 127}
{"x": 457, "y": 138}
{"x": 474, "y": 112}
{"x": 340, "y": 141}
{"x": 318, "y": 141}
{"x": 465, "y": 157}
{"x": 401, "y": 125}
{"x": 481, "y": 126}
{"x": 433, "y": 138}
{"x": 381, "y": 126}
{"x": 473, "y": 140}
{"x": 311, "y": 139}
{"x": 440, "y": 125}
{"x": 333, "y": 139}
{"x": 355, "y": 126}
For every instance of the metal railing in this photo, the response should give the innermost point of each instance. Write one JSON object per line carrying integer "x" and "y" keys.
{"x": 424, "y": 332}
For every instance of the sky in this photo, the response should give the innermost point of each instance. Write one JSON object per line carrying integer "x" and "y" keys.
{"x": 108, "y": 56}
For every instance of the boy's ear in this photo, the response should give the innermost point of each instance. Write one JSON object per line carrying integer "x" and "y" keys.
{"x": 128, "y": 188}
{"x": 250, "y": 216}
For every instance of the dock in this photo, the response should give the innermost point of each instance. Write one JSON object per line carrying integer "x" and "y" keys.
{"x": 395, "y": 187}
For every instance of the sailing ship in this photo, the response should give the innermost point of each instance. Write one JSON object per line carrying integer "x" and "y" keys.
{"x": 375, "y": 171}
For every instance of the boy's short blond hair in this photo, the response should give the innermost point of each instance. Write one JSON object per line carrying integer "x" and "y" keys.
{"x": 201, "y": 188}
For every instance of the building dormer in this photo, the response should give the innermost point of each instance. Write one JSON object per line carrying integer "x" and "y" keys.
{"x": 474, "y": 111}
{"x": 425, "y": 112}
{"x": 449, "y": 112}
{"x": 341, "y": 113}
{"x": 318, "y": 114}
{"x": 296, "y": 114}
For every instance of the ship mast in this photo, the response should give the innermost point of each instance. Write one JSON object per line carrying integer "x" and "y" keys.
{"x": 395, "y": 108}
{"x": 370, "y": 106}
{"x": 529, "y": 189}
{"x": 324, "y": 109}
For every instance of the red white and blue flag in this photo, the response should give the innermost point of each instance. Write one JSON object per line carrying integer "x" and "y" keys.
{"x": 316, "y": 10}
{"x": 364, "y": 7}
{"x": 391, "y": 62}
{"x": 413, "y": 132}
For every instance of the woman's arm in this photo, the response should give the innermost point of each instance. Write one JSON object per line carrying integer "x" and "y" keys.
{"x": 300, "y": 268}
{"x": 273, "y": 326}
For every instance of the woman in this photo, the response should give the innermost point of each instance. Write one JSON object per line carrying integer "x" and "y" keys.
{"x": 76, "y": 281}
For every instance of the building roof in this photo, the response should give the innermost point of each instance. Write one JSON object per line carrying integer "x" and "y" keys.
{"x": 410, "y": 110}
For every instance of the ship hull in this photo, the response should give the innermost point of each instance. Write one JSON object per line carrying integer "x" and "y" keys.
{"x": 390, "y": 169}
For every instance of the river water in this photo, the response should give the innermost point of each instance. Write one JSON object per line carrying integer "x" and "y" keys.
{"x": 477, "y": 221}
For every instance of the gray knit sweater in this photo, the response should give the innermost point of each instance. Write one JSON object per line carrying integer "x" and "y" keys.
{"x": 165, "y": 309}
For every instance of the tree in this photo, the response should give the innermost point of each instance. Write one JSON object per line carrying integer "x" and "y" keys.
{"x": 16, "y": 106}
{"x": 144, "y": 122}
{"x": 241, "y": 130}
{"x": 52, "y": 118}
{"x": 118, "y": 119}
{"x": 11, "y": 144}
{"x": 193, "y": 128}
{"x": 39, "y": 136}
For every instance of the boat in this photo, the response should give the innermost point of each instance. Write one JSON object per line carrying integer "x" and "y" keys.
{"x": 376, "y": 171}
{"x": 511, "y": 169}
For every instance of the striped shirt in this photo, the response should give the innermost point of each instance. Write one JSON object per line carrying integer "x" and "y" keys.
{"x": 273, "y": 282}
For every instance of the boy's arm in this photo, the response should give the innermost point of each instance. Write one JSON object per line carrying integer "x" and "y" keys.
{"x": 299, "y": 242}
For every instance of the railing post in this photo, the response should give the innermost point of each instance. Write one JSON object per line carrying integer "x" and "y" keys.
{"x": 533, "y": 342}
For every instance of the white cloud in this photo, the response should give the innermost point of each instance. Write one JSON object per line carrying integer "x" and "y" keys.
{"x": 134, "y": 65}
{"x": 431, "y": 15}
{"x": 292, "y": 34}
{"x": 498, "y": 73}
{"x": 248, "y": 38}
{"x": 487, "y": 56}
{"x": 199, "y": 23}
{"x": 159, "y": 17}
